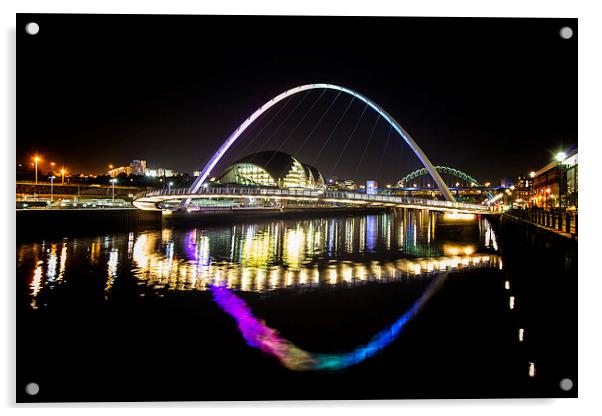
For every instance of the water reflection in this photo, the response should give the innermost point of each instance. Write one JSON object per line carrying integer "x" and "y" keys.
{"x": 258, "y": 335}
{"x": 36, "y": 283}
{"x": 261, "y": 257}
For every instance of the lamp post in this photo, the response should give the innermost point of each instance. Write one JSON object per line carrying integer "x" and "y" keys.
{"x": 51, "y": 188}
{"x": 113, "y": 188}
{"x": 63, "y": 176}
{"x": 560, "y": 157}
{"x": 532, "y": 176}
{"x": 169, "y": 185}
{"x": 36, "y": 159}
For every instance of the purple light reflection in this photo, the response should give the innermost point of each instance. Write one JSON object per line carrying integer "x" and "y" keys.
{"x": 259, "y": 335}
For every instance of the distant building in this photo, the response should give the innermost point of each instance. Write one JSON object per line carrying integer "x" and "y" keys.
{"x": 127, "y": 170}
{"x": 521, "y": 191}
{"x": 271, "y": 168}
{"x": 161, "y": 172}
{"x": 371, "y": 187}
{"x": 342, "y": 184}
{"x": 138, "y": 167}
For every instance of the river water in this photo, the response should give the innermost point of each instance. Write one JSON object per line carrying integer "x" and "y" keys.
{"x": 390, "y": 305}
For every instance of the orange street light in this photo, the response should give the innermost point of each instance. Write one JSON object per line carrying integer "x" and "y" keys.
{"x": 63, "y": 171}
{"x": 36, "y": 159}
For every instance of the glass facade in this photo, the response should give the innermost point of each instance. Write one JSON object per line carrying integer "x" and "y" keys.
{"x": 556, "y": 185}
{"x": 250, "y": 174}
{"x": 273, "y": 169}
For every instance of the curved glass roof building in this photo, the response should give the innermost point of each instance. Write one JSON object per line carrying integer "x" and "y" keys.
{"x": 272, "y": 168}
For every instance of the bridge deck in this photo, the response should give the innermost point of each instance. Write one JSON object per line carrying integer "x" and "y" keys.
{"x": 150, "y": 200}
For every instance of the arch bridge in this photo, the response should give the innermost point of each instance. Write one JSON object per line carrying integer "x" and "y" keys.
{"x": 406, "y": 180}
{"x": 200, "y": 190}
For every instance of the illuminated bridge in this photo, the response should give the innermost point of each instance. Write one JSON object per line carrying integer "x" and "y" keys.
{"x": 156, "y": 200}
{"x": 201, "y": 190}
{"x": 408, "y": 180}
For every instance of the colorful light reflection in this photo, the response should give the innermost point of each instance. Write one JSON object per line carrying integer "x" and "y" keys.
{"x": 258, "y": 335}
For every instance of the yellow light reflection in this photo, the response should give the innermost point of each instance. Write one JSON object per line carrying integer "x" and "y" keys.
{"x": 457, "y": 216}
{"x": 531, "y": 369}
{"x": 457, "y": 249}
{"x": 164, "y": 269}
{"x": 36, "y": 283}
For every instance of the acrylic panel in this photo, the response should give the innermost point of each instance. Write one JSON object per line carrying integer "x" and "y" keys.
{"x": 295, "y": 207}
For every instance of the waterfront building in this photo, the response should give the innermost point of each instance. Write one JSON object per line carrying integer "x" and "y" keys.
{"x": 272, "y": 168}
{"x": 521, "y": 191}
{"x": 556, "y": 184}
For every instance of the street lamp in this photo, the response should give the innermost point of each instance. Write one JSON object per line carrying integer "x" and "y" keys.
{"x": 560, "y": 156}
{"x": 36, "y": 159}
{"x": 532, "y": 197}
{"x": 51, "y": 189}
{"x": 169, "y": 185}
{"x": 63, "y": 176}
{"x": 113, "y": 188}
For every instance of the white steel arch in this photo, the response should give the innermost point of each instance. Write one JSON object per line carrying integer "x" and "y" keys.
{"x": 404, "y": 134}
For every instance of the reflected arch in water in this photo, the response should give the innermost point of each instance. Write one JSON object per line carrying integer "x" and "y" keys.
{"x": 258, "y": 335}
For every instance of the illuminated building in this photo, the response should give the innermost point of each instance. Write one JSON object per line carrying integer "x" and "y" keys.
{"x": 556, "y": 184}
{"x": 271, "y": 168}
{"x": 138, "y": 167}
{"x": 161, "y": 172}
{"x": 520, "y": 191}
{"x": 337, "y": 184}
{"x": 127, "y": 170}
{"x": 371, "y": 187}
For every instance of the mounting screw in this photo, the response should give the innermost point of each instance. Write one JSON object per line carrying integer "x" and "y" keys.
{"x": 566, "y": 384}
{"x": 566, "y": 32}
{"x": 32, "y": 389}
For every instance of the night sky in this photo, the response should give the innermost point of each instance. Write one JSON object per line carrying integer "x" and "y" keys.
{"x": 492, "y": 97}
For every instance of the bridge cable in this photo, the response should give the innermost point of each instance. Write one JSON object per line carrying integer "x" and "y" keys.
{"x": 348, "y": 140}
{"x": 317, "y": 124}
{"x": 333, "y": 131}
{"x": 402, "y": 162}
{"x": 357, "y": 167}
{"x": 283, "y": 142}
{"x": 285, "y": 120}
{"x": 382, "y": 156}
{"x": 249, "y": 142}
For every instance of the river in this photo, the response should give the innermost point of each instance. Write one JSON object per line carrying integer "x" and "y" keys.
{"x": 390, "y": 305}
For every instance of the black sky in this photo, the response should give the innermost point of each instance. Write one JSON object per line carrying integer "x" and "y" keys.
{"x": 492, "y": 97}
